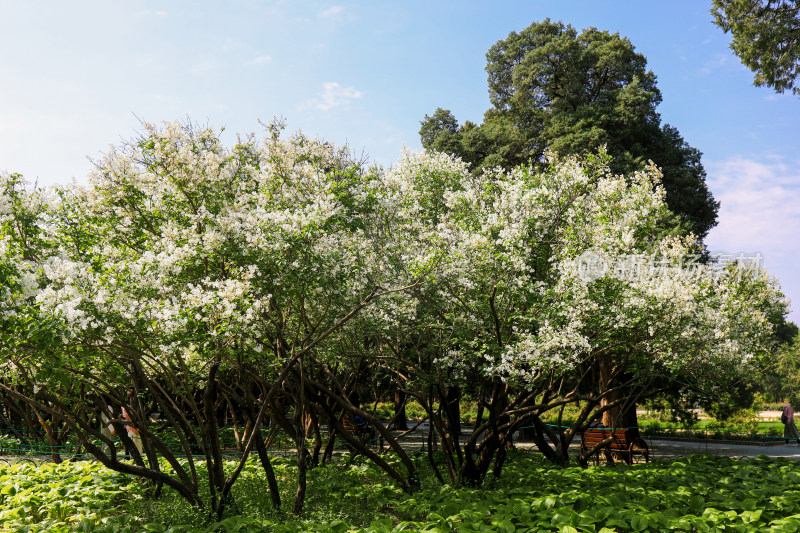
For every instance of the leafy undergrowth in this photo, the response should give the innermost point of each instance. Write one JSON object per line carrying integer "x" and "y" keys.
{"x": 692, "y": 494}
{"x": 59, "y": 497}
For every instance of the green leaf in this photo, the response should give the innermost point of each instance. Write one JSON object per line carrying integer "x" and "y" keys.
{"x": 338, "y": 526}
{"x": 639, "y": 522}
{"x": 748, "y": 517}
{"x": 749, "y": 504}
{"x": 503, "y": 526}
{"x": 697, "y": 504}
{"x": 649, "y": 502}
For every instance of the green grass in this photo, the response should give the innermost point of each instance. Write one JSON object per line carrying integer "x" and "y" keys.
{"x": 712, "y": 429}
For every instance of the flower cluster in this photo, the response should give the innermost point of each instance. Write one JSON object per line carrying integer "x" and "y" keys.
{"x": 182, "y": 250}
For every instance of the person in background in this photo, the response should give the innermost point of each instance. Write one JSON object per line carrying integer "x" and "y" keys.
{"x": 789, "y": 427}
{"x": 133, "y": 433}
{"x": 107, "y": 430}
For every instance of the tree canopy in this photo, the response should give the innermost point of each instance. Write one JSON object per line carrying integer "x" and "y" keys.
{"x": 555, "y": 90}
{"x": 766, "y": 37}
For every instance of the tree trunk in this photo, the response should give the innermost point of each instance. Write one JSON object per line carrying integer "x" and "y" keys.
{"x": 400, "y": 420}
{"x": 453, "y": 402}
{"x": 630, "y": 420}
{"x": 611, "y": 417}
{"x": 263, "y": 456}
{"x": 300, "y": 497}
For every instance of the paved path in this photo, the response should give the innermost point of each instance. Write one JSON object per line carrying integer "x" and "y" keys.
{"x": 662, "y": 448}
{"x": 659, "y": 448}
{"x": 670, "y": 449}
{"x": 673, "y": 449}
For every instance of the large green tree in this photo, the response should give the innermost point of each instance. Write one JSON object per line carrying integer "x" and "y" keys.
{"x": 553, "y": 89}
{"x": 766, "y": 37}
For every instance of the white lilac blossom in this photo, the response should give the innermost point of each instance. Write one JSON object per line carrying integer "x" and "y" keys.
{"x": 187, "y": 250}
{"x": 183, "y": 250}
{"x": 512, "y": 289}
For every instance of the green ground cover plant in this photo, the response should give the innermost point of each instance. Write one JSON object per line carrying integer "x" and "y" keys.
{"x": 691, "y": 494}
{"x": 58, "y": 497}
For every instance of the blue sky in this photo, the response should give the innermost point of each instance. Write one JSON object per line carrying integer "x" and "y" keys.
{"x": 78, "y": 76}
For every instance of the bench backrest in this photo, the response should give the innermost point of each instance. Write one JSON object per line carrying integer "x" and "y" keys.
{"x": 593, "y": 436}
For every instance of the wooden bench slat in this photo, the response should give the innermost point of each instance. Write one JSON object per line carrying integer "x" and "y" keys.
{"x": 622, "y": 444}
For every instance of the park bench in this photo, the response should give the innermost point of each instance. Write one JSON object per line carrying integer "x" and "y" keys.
{"x": 358, "y": 427}
{"x": 617, "y": 444}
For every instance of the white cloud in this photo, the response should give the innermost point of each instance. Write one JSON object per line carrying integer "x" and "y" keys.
{"x": 332, "y": 12}
{"x": 232, "y": 45}
{"x": 759, "y": 200}
{"x": 758, "y": 213}
{"x": 785, "y": 96}
{"x": 203, "y": 67}
{"x": 261, "y": 60}
{"x": 718, "y": 61}
{"x": 334, "y": 95}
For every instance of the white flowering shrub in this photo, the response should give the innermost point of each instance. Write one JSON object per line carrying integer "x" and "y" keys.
{"x": 193, "y": 274}
{"x": 24, "y": 227}
{"x": 514, "y": 276}
{"x": 195, "y": 251}
{"x": 186, "y": 266}
{"x": 521, "y": 325}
